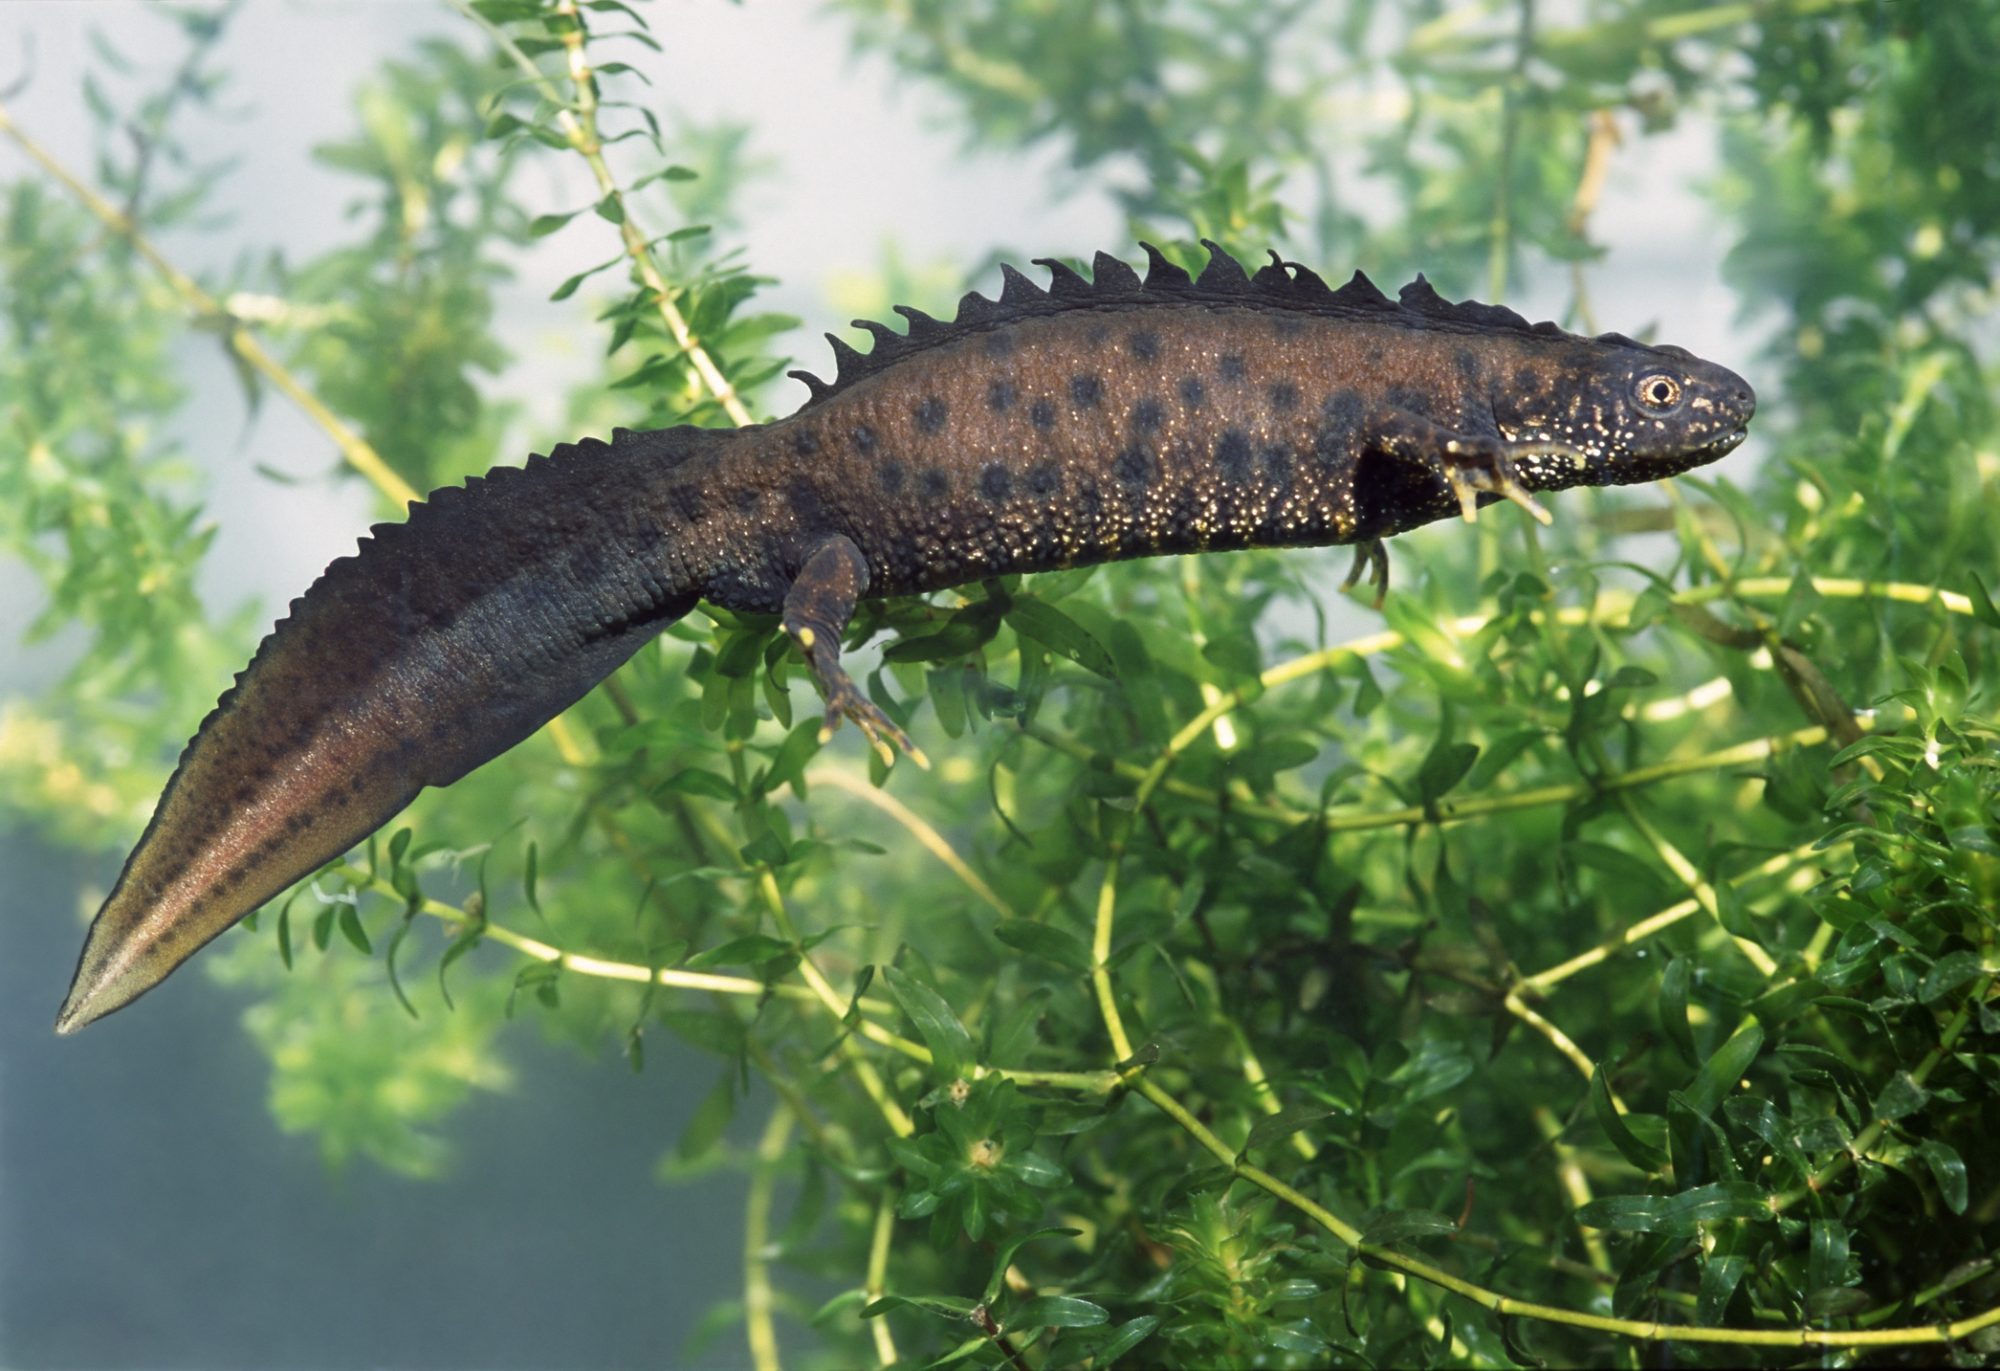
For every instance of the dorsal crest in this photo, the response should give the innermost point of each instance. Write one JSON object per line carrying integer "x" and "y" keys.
{"x": 1279, "y": 284}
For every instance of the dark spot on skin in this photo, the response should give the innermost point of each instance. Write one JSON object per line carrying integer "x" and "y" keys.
{"x": 1375, "y": 353}
{"x": 1285, "y": 326}
{"x": 1042, "y": 414}
{"x": 1232, "y": 454}
{"x": 1045, "y": 480}
{"x": 1145, "y": 345}
{"x": 1000, "y": 396}
{"x": 890, "y": 476}
{"x": 1275, "y": 465}
{"x": 1409, "y": 399}
{"x": 1342, "y": 409}
{"x": 1341, "y": 415}
{"x": 864, "y": 439}
{"x": 1284, "y": 396}
{"x": 1526, "y": 381}
{"x": 1089, "y": 500}
{"x": 1148, "y": 414}
{"x": 1193, "y": 392}
{"x": 1468, "y": 362}
{"x": 999, "y": 343}
{"x": 931, "y": 414}
{"x": 1134, "y": 466}
{"x": 996, "y": 483}
{"x": 747, "y": 498}
{"x": 1231, "y": 366}
{"x": 1086, "y": 391}
{"x": 934, "y": 483}
{"x": 1097, "y": 333}
{"x": 803, "y": 499}
{"x": 805, "y": 442}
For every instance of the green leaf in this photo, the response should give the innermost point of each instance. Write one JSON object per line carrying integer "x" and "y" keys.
{"x": 1900, "y": 1098}
{"x": 1393, "y": 1226}
{"x": 1499, "y": 755}
{"x": 1720, "y": 1074}
{"x": 710, "y": 1121}
{"x": 1127, "y": 1336}
{"x": 695, "y": 780}
{"x": 1287, "y": 1121}
{"x": 1055, "y": 630}
{"x": 1046, "y": 941}
{"x": 1005, "y": 1257}
{"x": 1636, "y": 1150}
{"x": 1948, "y": 1170}
{"x": 950, "y": 1044}
{"x": 1676, "y": 1215}
{"x": 351, "y": 929}
{"x": 752, "y": 949}
{"x": 1951, "y": 971}
{"x": 1826, "y": 1261}
{"x": 1674, "y": 982}
{"x": 1057, "y": 1311}
{"x": 1720, "y": 1275}
{"x": 1982, "y": 603}
{"x": 952, "y": 1307}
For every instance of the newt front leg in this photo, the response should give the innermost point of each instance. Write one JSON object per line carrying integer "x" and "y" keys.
{"x": 817, "y": 609}
{"x": 1472, "y": 463}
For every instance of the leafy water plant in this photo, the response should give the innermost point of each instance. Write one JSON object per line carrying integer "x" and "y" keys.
{"x": 1596, "y": 951}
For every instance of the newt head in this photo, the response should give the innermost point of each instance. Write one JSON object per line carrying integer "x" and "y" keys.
{"x": 1611, "y": 411}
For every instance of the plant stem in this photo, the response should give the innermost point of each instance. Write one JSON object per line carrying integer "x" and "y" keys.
{"x": 757, "y": 1321}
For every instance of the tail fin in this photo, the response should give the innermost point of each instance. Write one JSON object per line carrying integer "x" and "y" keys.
{"x": 442, "y": 643}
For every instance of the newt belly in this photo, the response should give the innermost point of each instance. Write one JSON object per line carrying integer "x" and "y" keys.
{"x": 1086, "y": 422}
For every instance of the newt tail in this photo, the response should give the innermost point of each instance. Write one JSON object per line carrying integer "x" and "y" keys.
{"x": 1088, "y": 421}
{"x": 439, "y": 645}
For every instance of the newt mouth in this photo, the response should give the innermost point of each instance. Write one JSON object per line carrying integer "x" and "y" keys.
{"x": 1725, "y": 445}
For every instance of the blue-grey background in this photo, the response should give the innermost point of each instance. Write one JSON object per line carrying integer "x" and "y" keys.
{"x": 150, "y": 1212}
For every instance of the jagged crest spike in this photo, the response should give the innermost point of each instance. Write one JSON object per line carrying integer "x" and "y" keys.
{"x": 816, "y": 388}
{"x": 844, "y": 355}
{"x": 921, "y": 324}
{"x": 1162, "y": 274}
{"x": 884, "y": 336}
{"x": 1278, "y": 284}
{"x": 1110, "y": 273}
{"x": 1272, "y": 277}
{"x": 1419, "y": 295}
{"x": 974, "y": 308}
{"x": 1017, "y": 290}
{"x": 1223, "y": 272}
{"x": 1309, "y": 284}
{"x": 1064, "y": 282}
{"x": 1360, "y": 293}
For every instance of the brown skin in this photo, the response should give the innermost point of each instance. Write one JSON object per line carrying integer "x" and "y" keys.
{"x": 1096, "y": 422}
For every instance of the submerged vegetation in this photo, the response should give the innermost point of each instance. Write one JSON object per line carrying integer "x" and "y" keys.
{"x": 1597, "y": 951}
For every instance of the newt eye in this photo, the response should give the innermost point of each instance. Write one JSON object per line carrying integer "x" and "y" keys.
{"x": 1658, "y": 392}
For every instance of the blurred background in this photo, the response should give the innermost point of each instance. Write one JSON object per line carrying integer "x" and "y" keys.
{"x": 152, "y": 1210}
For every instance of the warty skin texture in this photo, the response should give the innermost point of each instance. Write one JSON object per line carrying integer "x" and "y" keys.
{"x": 1096, "y": 422}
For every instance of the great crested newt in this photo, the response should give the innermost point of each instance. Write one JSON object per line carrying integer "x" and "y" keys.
{"x": 1088, "y": 421}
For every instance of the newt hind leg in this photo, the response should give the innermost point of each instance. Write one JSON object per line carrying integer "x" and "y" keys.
{"x": 817, "y": 608}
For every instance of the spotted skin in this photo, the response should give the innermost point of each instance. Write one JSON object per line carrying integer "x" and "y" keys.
{"x": 1094, "y": 421}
